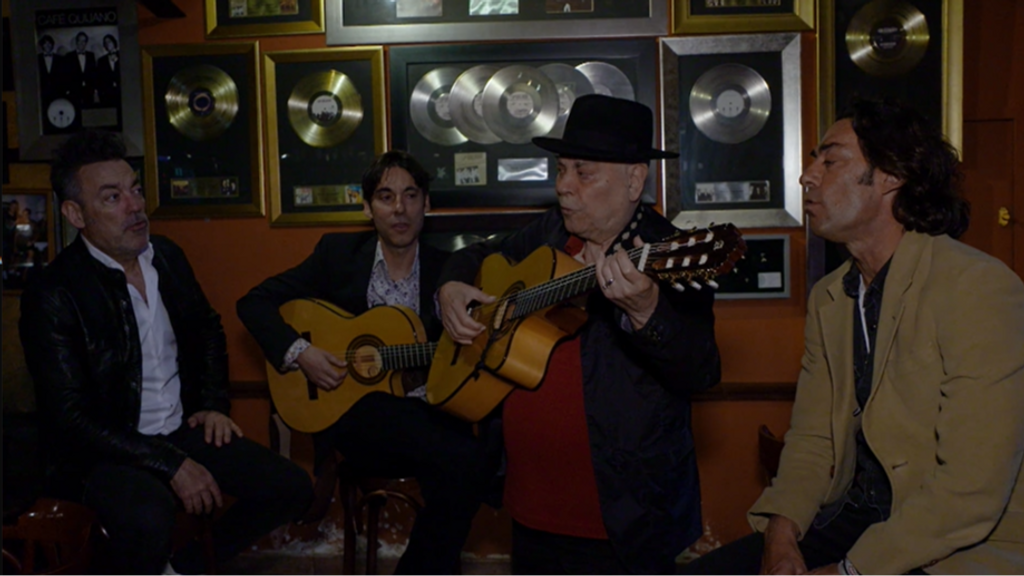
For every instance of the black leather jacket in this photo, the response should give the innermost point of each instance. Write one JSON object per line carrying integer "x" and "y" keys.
{"x": 82, "y": 348}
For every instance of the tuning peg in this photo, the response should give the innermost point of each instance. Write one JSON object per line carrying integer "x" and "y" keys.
{"x": 713, "y": 284}
{"x": 696, "y": 285}
{"x": 678, "y": 287}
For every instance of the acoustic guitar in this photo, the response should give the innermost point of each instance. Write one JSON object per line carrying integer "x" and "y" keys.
{"x": 381, "y": 346}
{"x": 524, "y": 325}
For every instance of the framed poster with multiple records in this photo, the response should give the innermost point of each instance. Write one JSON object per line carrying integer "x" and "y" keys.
{"x": 203, "y": 140}
{"x": 226, "y": 18}
{"x": 326, "y": 122}
{"x": 469, "y": 112}
{"x": 732, "y": 108}
{"x": 718, "y": 16}
{"x": 411, "y": 21}
{"x": 77, "y": 67}
{"x": 909, "y": 50}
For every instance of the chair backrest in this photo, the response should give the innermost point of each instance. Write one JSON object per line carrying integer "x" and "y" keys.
{"x": 51, "y": 537}
{"x": 769, "y": 449}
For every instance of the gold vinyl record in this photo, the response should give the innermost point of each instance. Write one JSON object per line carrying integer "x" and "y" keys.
{"x": 520, "y": 103}
{"x": 571, "y": 84}
{"x": 607, "y": 80}
{"x": 430, "y": 108}
{"x": 887, "y": 37}
{"x": 202, "y": 101}
{"x": 730, "y": 103}
{"x": 466, "y": 104}
{"x": 325, "y": 109}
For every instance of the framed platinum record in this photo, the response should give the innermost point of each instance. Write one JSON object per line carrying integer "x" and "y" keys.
{"x": 732, "y": 110}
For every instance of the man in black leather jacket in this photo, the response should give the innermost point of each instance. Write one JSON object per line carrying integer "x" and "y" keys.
{"x": 601, "y": 475}
{"x": 129, "y": 362}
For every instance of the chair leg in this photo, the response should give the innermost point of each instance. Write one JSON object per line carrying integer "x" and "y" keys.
{"x": 351, "y": 510}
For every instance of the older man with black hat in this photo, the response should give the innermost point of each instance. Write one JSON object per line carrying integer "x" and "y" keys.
{"x": 601, "y": 472}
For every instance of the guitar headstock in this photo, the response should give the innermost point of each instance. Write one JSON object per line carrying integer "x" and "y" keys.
{"x": 693, "y": 257}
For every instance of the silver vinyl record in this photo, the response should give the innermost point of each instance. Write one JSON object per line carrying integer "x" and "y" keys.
{"x": 730, "y": 103}
{"x": 607, "y": 80}
{"x": 571, "y": 84}
{"x": 430, "y": 110}
{"x": 520, "y": 103}
{"x": 466, "y": 104}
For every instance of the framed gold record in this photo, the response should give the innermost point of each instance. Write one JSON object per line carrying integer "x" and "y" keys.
{"x": 203, "y": 139}
{"x": 326, "y": 121}
{"x": 722, "y": 16}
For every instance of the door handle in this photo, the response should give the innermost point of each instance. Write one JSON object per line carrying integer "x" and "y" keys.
{"x": 1004, "y": 216}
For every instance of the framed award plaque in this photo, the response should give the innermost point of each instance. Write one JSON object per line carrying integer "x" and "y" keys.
{"x": 227, "y": 18}
{"x": 326, "y": 122}
{"x": 764, "y": 271}
{"x": 718, "y": 16}
{"x": 732, "y": 108}
{"x": 204, "y": 147}
{"x": 415, "y": 21}
{"x": 469, "y": 112}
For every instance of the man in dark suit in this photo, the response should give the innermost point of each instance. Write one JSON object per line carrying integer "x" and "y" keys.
{"x": 50, "y": 80}
{"x": 108, "y": 74}
{"x": 382, "y": 435}
{"x": 80, "y": 67}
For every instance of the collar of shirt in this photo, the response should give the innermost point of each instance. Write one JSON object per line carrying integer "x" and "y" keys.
{"x": 145, "y": 259}
{"x": 853, "y": 280}
{"x": 384, "y": 290}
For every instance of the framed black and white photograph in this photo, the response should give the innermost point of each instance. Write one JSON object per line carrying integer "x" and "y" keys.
{"x": 469, "y": 112}
{"x": 204, "y": 146}
{"x": 763, "y": 272}
{"x": 78, "y": 67}
{"x": 418, "y": 21}
{"x": 234, "y": 18}
{"x": 732, "y": 110}
{"x": 326, "y": 122}
{"x": 732, "y": 16}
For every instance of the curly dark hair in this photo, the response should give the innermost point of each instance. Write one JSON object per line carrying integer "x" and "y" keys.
{"x": 899, "y": 140}
{"x": 88, "y": 147}
{"x": 394, "y": 159}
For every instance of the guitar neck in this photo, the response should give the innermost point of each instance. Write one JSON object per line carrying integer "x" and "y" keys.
{"x": 406, "y": 356}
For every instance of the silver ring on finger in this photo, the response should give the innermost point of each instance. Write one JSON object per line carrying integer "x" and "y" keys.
{"x": 609, "y": 282}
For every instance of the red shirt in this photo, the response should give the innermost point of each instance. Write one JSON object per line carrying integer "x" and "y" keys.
{"x": 550, "y": 483}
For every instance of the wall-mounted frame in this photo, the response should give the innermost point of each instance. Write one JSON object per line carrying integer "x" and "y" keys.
{"x": 78, "y": 68}
{"x": 28, "y": 235}
{"x": 931, "y": 78}
{"x": 731, "y": 106}
{"x": 718, "y": 17}
{"x": 204, "y": 145}
{"x": 326, "y": 122}
{"x": 235, "y": 18}
{"x": 415, "y": 21}
{"x": 505, "y": 171}
{"x": 764, "y": 271}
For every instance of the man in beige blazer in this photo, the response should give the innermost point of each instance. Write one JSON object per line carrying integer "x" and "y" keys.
{"x": 905, "y": 446}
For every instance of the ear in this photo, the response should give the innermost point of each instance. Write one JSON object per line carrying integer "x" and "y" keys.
{"x": 637, "y": 175}
{"x": 890, "y": 183}
{"x": 73, "y": 212}
{"x": 426, "y": 202}
{"x": 366, "y": 209}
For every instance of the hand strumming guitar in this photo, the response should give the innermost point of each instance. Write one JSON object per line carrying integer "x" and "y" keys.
{"x": 322, "y": 368}
{"x": 454, "y": 299}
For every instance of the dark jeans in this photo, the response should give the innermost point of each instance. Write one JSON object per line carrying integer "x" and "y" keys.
{"x": 540, "y": 552}
{"x": 138, "y": 509}
{"x": 391, "y": 437}
{"x": 824, "y": 544}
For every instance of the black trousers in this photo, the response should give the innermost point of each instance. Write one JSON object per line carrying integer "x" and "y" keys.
{"x": 824, "y": 544}
{"x": 138, "y": 509}
{"x": 540, "y": 552}
{"x": 391, "y": 437}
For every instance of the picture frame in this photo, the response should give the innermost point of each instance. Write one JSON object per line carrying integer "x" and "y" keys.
{"x": 232, "y": 18}
{"x": 208, "y": 161}
{"x": 59, "y": 94}
{"x": 29, "y": 229}
{"x": 742, "y": 163}
{"x": 732, "y": 16}
{"x": 315, "y": 163}
{"x": 763, "y": 273}
{"x": 426, "y": 21}
{"x": 503, "y": 174}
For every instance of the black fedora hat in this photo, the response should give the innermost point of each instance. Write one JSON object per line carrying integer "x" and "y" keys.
{"x": 607, "y": 129}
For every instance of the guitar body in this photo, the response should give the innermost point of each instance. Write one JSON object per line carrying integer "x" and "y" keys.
{"x": 470, "y": 381}
{"x": 307, "y": 408}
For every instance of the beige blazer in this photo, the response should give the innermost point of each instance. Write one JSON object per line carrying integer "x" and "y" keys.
{"x": 945, "y": 416}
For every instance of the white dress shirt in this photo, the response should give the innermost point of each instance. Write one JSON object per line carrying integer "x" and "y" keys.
{"x": 161, "y": 411}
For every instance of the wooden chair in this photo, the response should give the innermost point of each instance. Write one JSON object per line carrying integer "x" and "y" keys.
{"x": 51, "y": 537}
{"x": 769, "y": 449}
